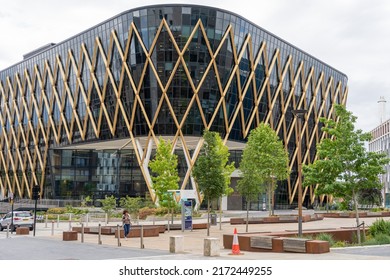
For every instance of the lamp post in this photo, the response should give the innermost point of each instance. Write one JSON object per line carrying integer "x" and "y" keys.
{"x": 300, "y": 114}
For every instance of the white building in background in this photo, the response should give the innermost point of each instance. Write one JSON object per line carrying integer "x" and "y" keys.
{"x": 380, "y": 142}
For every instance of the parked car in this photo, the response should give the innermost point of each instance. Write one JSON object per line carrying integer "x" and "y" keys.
{"x": 20, "y": 219}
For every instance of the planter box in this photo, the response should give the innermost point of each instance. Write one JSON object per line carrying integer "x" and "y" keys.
{"x": 69, "y": 235}
{"x": 22, "y": 231}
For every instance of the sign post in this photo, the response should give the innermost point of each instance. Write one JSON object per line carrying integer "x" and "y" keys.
{"x": 35, "y": 196}
{"x": 186, "y": 215}
{"x": 12, "y": 211}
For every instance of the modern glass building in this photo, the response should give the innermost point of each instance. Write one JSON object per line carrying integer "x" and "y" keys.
{"x": 82, "y": 117}
{"x": 380, "y": 143}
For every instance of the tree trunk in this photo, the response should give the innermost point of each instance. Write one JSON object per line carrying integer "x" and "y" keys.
{"x": 247, "y": 214}
{"x": 220, "y": 214}
{"x": 172, "y": 211}
{"x": 357, "y": 218}
{"x": 269, "y": 200}
{"x": 208, "y": 217}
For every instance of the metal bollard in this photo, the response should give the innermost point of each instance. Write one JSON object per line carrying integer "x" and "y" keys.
{"x": 142, "y": 237}
{"x": 118, "y": 231}
{"x": 100, "y": 235}
{"x": 46, "y": 221}
{"x": 52, "y": 228}
{"x": 7, "y": 230}
{"x": 82, "y": 232}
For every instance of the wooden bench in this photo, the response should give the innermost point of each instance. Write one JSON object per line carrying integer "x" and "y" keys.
{"x": 297, "y": 245}
{"x": 262, "y": 242}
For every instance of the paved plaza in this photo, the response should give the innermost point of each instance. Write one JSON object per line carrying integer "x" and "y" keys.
{"x": 48, "y": 244}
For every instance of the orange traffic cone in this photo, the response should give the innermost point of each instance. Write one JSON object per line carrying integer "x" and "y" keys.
{"x": 236, "y": 245}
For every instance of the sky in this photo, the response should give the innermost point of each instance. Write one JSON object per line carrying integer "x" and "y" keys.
{"x": 352, "y": 36}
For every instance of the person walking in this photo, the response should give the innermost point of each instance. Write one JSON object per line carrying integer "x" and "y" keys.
{"x": 126, "y": 222}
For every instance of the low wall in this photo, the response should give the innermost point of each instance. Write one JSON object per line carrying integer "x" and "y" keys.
{"x": 341, "y": 234}
{"x": 277, "y": 244}
{"x": 353, "y": 214}
{"x": 277, "y": 219}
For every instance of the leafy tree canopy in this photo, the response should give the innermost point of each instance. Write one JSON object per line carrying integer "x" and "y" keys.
{"x": 212, "y": 171}
{"x": 344, "y": 166}
{"x": 165, "y": 175}
{"x": 264, "y": 159}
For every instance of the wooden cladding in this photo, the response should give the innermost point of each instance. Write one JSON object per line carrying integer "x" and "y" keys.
{"x": 41, "y": 108}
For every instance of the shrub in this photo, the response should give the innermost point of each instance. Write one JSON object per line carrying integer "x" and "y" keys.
{"x": 339, "y": 244}
{"x": 379, "y": 239}
{"x": 382, "y": 238}
{"x": 380, "y": 227}
{"x": 56, "y": 211}
{"x": 326, "y": 237}
{"x": 161, "y": 211}
{"x": 146, "y": 211}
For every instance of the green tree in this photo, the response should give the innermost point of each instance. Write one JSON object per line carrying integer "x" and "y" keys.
{"x": 344, "y": 167}
{"x": 165, "y": 178}
{"x": 212, "y": 171}
{"x": 264, "y": 160}
{"x": 109, "y": 205}
{"x": 131, "y": 204}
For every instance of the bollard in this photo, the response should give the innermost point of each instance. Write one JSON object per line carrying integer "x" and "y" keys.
{"x": 118, "y": 230}
{"x": 7, "y": 230}
{"x": 142, "y": 237}
{"x": 52, "y": 228}
{"x": 58, "y": 221}
{"x": 46, "y": 221}
{"x": 100, "y": 235}
{"x": 82, "y": 232}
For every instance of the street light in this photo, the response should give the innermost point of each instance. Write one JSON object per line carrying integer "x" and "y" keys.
{"x": 300, "y": 114}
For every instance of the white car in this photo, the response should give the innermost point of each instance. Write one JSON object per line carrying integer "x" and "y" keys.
{"x": 20, "y": 219}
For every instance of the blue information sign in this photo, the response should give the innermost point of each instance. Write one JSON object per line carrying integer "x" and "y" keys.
{"x": 187, "y": 214}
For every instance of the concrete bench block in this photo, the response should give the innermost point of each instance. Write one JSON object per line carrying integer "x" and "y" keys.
{"x": 211, "y": 247}
{"x": 295, "y": 245}
{"x": 22, "y": 231}
{"x": 69, "y": 235}
{"x": 262, "y": 242}
{"x": 317, "y": 247}
{"x": 176, "y": 244}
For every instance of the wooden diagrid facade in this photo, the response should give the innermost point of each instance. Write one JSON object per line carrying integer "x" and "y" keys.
{"x": 160, "y": 70}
